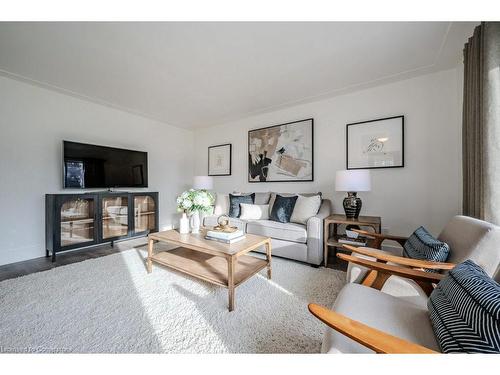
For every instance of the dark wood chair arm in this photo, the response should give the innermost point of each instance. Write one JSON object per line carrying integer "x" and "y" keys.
{"x": 415, "y": 263}
{"x": 380, "y": 235}
{"x": 378, "y": 238}
{"x": 372, "y": 338}
{"x": 397, "y": 270}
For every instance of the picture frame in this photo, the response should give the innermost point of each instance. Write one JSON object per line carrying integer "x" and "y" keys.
{"x": 375, "y": 144}
{"x": 282, "y": 153}
{"x": 220, "y": 160}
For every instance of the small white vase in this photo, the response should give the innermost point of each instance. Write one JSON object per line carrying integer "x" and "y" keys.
{"x": 184, "y": 224}
{"x": 195, "y": 222}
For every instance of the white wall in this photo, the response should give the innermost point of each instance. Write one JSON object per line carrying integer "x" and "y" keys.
{"x": 427, "y": 191}
{"x": 33, "y": 123}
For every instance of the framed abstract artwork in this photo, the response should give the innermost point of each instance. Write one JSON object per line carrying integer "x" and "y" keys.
{"x": 281, "y": 153}
{"x": 375, "y": 144}
{"x": 219, "y": 160}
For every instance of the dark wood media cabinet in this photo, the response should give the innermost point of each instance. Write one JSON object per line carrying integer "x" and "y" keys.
{"x": 80, "y": 220}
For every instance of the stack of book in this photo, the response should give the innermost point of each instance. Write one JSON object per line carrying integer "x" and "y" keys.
{"x": 225, "y": 237}
{"x": 359, "y": 241}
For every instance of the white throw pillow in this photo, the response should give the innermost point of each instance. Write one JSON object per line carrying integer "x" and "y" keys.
{"x": 254, "y": 211}
{"x": 305, "y": 208}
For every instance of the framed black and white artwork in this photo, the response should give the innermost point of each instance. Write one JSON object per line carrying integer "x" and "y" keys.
{"x": 375, "y": 144}
{"x": 281, "y": 153}
{"x": 219, "y": 160}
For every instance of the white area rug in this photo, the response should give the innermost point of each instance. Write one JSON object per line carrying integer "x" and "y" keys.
{"x": 112, "y": 305}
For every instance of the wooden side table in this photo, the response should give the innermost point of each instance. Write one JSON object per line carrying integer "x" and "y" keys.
{"x": 330, "y": 238}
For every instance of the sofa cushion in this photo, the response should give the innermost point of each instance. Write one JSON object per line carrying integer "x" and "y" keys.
{"x": 281, "y": 231}
{"x": 381, "y": 311}
{"x": 254, "y": 211}
{"x": 305, "y": 208}
{"x": 283, "y": 208}
{"x": 422, "y": 245}
{"x": 465, "y": 311}
{"x": 235, "y": 200}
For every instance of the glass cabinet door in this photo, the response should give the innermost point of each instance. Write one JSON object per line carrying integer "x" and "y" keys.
{"x": 77, "y": 221}
{"x": 114, "y": 217}
{"x": 144, "y": 213}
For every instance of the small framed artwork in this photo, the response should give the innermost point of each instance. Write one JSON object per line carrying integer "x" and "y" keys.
{"x": 281, "y": 153}
{"x": 375, "y": 144}
{"x": 219, "y": 160}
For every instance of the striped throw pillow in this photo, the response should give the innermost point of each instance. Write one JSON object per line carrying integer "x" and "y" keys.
{"x": 465, "y": 311}
{"x": 422, "y": 245}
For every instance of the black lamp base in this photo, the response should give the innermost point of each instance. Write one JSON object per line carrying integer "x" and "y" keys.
{"x": 352, "y": 205}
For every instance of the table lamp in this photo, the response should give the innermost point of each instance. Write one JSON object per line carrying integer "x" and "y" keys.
{"x": 352, "y": 181}
{"x": 203, "y": 183}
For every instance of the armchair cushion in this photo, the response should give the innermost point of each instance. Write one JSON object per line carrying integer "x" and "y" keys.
{"x": 476, "y": 240}
{"x": 422, "y": 245}
{"x": 465, "y": 311}
{"x": 381, "y": 311}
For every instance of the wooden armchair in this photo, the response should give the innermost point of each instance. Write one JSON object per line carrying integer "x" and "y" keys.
{"x": 366, "y": 335}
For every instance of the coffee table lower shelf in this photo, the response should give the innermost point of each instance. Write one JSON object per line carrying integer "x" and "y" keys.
{"x": 211, "y": 268}
{"x": 228, "y": 272}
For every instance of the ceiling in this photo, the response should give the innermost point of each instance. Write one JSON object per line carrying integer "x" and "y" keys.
{"x": 199, "y": 74}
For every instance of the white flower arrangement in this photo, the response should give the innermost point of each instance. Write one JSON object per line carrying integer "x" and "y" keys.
{"x": 195, "y": 200}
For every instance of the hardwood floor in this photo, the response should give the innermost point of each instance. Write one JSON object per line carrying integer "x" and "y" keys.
{"x": 10, "y": 271}
{"x": 26, "y": 267}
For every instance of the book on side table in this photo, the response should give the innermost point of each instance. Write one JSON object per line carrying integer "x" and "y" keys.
{"x": 225, "y": 237}
{"x": 359, "y": 241}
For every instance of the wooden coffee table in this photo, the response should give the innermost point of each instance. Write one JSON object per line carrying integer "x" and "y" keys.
{"x": 218, "y": 263}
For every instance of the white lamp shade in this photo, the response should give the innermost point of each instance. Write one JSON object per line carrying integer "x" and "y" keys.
{"x": 353, "y": 180}
{"x": 203, "y": 183}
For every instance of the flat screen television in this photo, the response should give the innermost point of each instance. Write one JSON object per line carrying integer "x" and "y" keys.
{"x": 91, "y": 166}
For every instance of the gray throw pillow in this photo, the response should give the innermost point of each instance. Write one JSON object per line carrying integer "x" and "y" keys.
{"x": 234, "y": 203}
{"x": 422, "y": 245}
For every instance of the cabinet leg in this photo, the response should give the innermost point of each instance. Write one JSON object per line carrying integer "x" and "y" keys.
{"x": 47, "y": 253}
{"x": 112, "y": 243}
{"x": 53, "y": 256}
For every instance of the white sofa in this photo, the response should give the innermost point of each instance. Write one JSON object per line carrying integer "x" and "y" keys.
{"x": 289, "y": 240}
